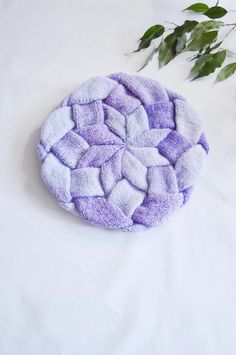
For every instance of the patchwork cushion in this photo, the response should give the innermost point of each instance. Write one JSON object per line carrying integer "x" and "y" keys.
{"x": 122, "y": 152}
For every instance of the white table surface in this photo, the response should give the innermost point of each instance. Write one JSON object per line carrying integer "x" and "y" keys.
{"x": 68, "y": 288}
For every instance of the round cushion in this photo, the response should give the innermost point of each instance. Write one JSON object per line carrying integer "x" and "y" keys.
{"x": 122, "y": 152}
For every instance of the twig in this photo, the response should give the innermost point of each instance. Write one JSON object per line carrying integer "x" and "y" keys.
{"x": 171, "y": 23}
{"x": 233, "y": 53}
{"x": 169, "y": 29}
{"x": 229, "y": 24}
{"x": 231, "y": 30}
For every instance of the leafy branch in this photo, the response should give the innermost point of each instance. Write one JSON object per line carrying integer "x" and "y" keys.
{"x": 201, "y": 38}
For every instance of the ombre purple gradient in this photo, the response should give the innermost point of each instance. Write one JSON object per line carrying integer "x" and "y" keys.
{"x": 122, "y": 152}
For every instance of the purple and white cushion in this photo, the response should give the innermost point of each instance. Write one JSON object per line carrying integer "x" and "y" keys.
{"x": 122, "y": 152}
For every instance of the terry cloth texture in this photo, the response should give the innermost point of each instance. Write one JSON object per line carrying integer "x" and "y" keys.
{"x": 122, "y": 152}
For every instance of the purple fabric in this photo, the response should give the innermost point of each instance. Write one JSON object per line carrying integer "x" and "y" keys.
{"x": 99, "y": 134}
{"x": 97, "y": 155}
{"x": 173, "y": 146}
{"x": 111, "y": 171}
{"x": 161, "y": 115}
{"x": 92, "y": 113}
{"x": 204, "y": 143}
{"x": 161, "y": 181}
{"x": 70, "y": 149}
{"x": 122, "y": 100}
{"x": 148, "y": 91}
{"x": 156, "y": 210}
{"x": 122, "y": 152}
{"x": 99, "y": 211}
{"x": 187, "y": 193}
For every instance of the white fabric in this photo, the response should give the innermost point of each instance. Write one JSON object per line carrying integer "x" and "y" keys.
{"x": 91, "y": 90}
{"x": 78, "y": 147}
{"x": 136, "y": 124}
{"x": 70, "y": 207}
{"x": 86, "y": 182}
{"x": 58, "y": 123}
{"x": 134, "y": 171}
{"x": 57, "y": 177}
{"x": 148, "y": 156}
{"x": 68, "y": 288}
{"x": 126, "y": 197}
{"x": 116, "y": 121}
{"x": 189, "y": 166}
{"x": 162, "y": 180}
{"x": 111, "y": 171}
{"x": 152, "y": 137}
{"x": 89, "y": 113}
{"x": 187, "y": 121}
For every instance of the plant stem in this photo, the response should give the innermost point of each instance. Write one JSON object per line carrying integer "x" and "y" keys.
{"x": 230, "y": 52}
{"x": 171, "y": 23}
{"x": 231, "y": 30}
{"x": 169, "y": 29}
{"x": 229, "y": 24}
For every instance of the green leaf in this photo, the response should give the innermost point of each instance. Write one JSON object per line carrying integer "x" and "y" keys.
{"x": 198, "y": 7}
{"x": 209, "y": 49}
{"x": 152, "y": 33}
{"x": 199, "y": 64}
{"x": 201, "y": 41}
{"x": 206, "y": 70}
{"x": 226, "y": 72}
{"x": 181, "y": 43}
{"x": 211, "y": 24}
{"x": 216, "y": 12}
{"x": 187, "y": 26}
{"x": 171, "y": 47}
{"x": 149, "y": 58}
{"x": 219, "y": 58}
{"x": 167, "y": 50}
{"x": 204, "y": 26}
{"x": 208, "y": 63}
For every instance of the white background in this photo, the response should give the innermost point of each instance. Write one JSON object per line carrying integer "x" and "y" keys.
{"x": 67, "y": 288}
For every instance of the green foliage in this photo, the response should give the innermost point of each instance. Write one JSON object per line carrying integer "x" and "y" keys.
{"x": 198, "y": 7}
{"x": 216, "y": 12}
{"x": 207, "y": 64}
{"x": 181, "y": 43}
{"x": 175, "y": 43}
{"x": 193, "y": 36}
{"x": 211, "y": 12}
{"x": 152, "y": 33}
{"x": 149, "y": 58}
{"x": 200, "y": 41}
{"x": 187, "y": 26}
{"x": 226, "y": 72}
{"x": 167, "y": 50}
{"x": 205, "y": 26}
